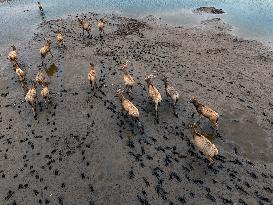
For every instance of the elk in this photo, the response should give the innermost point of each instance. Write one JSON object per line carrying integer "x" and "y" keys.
{"x": 154, "y": 94}
{"x": 206, "y": 111}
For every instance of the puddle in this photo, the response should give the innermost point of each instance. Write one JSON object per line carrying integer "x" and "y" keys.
{"x": 51, "y": 70}
{"x": 242, "y": 129}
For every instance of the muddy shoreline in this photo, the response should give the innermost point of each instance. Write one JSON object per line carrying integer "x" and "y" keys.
{"x": 82, "y": 150}
{"x": 211, "y": 10}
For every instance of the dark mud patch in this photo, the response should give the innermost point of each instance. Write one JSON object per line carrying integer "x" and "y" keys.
{"x": 211, "y": 10}
{"x": 2, "y": 1}
{"x": 82, "y": 150}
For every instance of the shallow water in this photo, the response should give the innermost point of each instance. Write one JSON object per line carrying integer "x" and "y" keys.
{"x": 51, "y": 70}
{"x": 242, "y": 128}
{"x": 251, "y": 19}
{"x": 242, "y": 134}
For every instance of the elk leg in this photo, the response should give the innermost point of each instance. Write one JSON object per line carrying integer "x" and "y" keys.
{"x": 13, "y": 62}
{"x": 51, "y": 53}
{"x": 94, "y": 86}
{"x": 199, "y": 121}
{"x": 216, "y": 131}
{"x": 24, "y": 86}
{"x": 139, "y": 125}
{"x": 46, "y": 102}
{"x": 130, "y": 92}
{"x": 210, "y": 161}
{"x": 174, "y": 109}
{"x": 34, "y": 109}
{"x": 91, "y": 84}
{"x": 121, "y": 110}
{"x": 156, "y": 113}
{"x": 42, "y": 58}
{"x": 89, "y": 34}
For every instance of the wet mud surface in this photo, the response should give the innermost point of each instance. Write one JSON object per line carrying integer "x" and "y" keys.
{"x": 82, "y": 150}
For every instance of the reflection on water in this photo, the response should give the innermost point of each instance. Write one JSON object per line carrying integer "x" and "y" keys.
{"x": 51, "y": 70}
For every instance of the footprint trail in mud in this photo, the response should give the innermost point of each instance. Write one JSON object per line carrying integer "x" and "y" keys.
{"x": 82, "y": 150}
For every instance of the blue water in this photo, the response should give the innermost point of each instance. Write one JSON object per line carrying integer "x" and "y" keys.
{"x": 250, "y": 18}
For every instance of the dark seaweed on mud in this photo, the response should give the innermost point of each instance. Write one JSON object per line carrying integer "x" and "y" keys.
{"x": 82, "y": 150}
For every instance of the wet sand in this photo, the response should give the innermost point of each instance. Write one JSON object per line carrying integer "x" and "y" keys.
{"x": 82, "y": 150}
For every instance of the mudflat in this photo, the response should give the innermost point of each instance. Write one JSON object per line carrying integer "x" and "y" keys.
{"x": 82, "y": 150}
